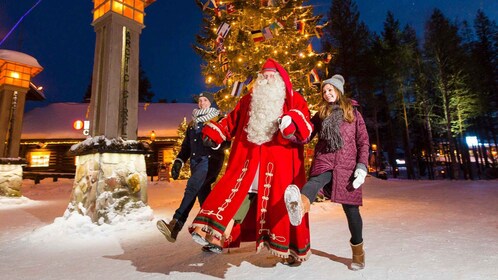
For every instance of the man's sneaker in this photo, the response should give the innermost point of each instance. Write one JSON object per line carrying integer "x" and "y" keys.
{"x": 169, "y": 230}
{"x": 294, "y": 205}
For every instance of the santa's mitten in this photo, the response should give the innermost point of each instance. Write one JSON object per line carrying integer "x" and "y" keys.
{"x": 300, "y": 124}
{"x": 286, "y": 126}
{"x": 212, "y": 135}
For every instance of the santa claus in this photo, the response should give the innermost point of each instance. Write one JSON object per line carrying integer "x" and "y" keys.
{"x": 247, "y": 204}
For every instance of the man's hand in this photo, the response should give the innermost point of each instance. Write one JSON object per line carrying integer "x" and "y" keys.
{"x": 359, "y": 175}
{"x": 212, "y": 136}
{"x": 175, "y": 169}
{"x": 286, "y": 126}
{"x": 206, "y": 141}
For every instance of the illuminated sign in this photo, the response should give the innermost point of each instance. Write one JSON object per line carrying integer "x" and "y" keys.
{"x": 86, "y": 128}
{"x": 78, "y": 124}
{"x": 85, "y": 125}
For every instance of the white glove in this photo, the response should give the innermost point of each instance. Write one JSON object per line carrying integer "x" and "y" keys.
{"x": 359, "y": 176}
{"x": 284, "y": 122}
{"x": 287, "y": 128}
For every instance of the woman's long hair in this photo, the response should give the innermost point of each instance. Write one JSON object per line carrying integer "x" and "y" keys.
{"x": 325, "y": 108}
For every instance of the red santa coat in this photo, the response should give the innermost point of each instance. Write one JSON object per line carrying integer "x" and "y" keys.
{"x": 281, "y": 163}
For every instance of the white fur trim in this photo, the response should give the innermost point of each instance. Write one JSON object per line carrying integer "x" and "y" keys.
{"x": 213, "y": 126}
{"x": 217, "y": 147}
{"x": 183, "y": 163}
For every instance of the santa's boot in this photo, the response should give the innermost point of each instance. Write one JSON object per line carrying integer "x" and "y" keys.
{"x": 216, "y": 244}
{"x": 297, "y": 204}
{"x": 358, "y": 256}
{"x": 170, "y": 230}
{"x": 200, "y": 236}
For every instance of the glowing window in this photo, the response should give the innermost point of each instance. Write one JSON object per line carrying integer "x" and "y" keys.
{"x": 39, "y": 159}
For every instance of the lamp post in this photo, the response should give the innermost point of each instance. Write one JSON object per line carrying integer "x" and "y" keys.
{"x": 114, "y": 164}
{"x": 16, "y": 71}
{"x": 376, "y": 157}
{"x": 114, "y": 103}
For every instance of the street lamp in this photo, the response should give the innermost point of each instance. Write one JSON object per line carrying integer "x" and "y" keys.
{"x": 16, "y": 73}
{"x": 16, "y": 70}
{"x": 376, "y": 158}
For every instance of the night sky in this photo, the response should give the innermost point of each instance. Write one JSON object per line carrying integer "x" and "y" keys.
{"x": 60, "y": 36}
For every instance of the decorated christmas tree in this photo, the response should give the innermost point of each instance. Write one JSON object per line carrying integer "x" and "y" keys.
{"x": 238, "y": 36}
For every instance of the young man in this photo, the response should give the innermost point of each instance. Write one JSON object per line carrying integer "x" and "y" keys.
{"x": 205, "y": 165}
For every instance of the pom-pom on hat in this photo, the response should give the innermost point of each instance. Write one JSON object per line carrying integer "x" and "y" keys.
{"x": 337, "y": 81}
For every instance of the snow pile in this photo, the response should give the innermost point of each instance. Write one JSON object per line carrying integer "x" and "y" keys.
{"x": 431, "y": 230}
{"x": 102, "y": 144}
{"x": 13, "y": 202}
{"x": 75, "y": 226}
{"x": 16, "y": 160}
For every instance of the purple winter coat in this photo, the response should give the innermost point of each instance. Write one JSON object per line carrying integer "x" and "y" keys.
{"x": 343, "y": 162}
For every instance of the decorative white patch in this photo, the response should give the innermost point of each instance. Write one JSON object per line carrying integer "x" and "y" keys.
{"x": 264, "y": 204}
{"x": 235, "y": 189}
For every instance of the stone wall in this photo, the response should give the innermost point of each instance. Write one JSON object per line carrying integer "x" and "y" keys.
{"x": 108, "y": 184}
{"x": 10, "y": 180}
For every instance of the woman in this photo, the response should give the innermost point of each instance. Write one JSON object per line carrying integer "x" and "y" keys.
{"x": 341, "y": 157}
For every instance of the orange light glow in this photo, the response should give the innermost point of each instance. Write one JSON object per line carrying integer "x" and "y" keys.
{"x": 15, "y": 74}
{"x": 78, "y": 124}
{"x": 132, "y": 9}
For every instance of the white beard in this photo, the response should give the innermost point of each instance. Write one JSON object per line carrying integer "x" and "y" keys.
{"x": 266, "y": 107}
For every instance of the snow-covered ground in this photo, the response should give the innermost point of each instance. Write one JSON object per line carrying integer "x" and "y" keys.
{"x": 412, "y": 230}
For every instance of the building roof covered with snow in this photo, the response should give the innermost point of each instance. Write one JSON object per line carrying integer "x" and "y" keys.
{"x": 56, "y": 120}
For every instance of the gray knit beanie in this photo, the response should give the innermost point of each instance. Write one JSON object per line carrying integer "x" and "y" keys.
{"x": 337, "y": 81}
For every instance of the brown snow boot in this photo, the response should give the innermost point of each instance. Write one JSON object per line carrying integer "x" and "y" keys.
{"x": 306, "y": 204}
{"x": 170, "y": 230}
{"x": 358, "y": 257}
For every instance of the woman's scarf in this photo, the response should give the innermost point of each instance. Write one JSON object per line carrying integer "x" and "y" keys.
{"x": 330, "y": 133}
{"x": 204, "y": 115}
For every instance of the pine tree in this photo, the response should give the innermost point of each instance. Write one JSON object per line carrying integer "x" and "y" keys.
{"x": 443, "y": 50}
{"x": 484, "y": 76}
{"x": 145, "y": 93}
{"x": 237, "y": 37}
{"x": 399, "y": 52}
{"x": 348, "y": 40}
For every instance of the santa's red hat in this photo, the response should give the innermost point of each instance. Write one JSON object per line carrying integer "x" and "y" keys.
{"x": 272, "y": 65}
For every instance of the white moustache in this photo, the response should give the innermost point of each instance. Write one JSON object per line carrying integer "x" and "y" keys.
{"x": 262, "y": 82}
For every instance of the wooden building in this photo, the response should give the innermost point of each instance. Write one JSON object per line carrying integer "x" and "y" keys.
{"x": 49, "y": 132}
